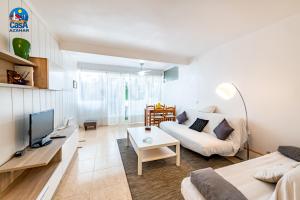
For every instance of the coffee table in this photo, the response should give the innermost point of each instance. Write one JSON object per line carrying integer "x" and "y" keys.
{"x": 154, "y": 149}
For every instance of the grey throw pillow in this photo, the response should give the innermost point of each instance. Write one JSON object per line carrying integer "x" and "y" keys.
{"x": 181, "y": 118}
{"x": 290, "y": 152}
{"x": 199, "y": 124}
{"x": 214, "y": 187}
{"x": 223, "y": 130}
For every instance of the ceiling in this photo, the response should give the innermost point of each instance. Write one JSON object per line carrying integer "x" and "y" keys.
{"x": 118, "y": 61}
{"x": 172, "y": 31}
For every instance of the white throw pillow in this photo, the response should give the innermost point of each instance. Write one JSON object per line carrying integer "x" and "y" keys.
{"x": 274, "y": 173}
{"x": 209, "y": 109}
{"x": 288, "y": 187}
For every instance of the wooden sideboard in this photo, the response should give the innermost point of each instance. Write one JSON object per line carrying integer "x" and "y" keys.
{"x": 37, "y": 174}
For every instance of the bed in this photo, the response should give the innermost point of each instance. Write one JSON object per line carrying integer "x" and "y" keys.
{"x": 241, "y": 176}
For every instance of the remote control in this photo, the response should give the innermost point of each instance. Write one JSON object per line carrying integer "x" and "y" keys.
{"x": 57, "y": 136}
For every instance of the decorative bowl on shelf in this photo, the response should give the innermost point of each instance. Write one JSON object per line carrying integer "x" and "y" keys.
{"x": 14, "y": 77}
{"x": 21, "y": 47}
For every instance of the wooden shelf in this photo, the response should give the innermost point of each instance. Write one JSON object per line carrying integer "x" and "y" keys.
{"x": 5, "y": 55}
{"x": 37, "y": 157}
{"x": 156, "y": 154}
{"x": 16, "y": 86}
{"x": 33, "y": 157}
{"x": 30, "y": 184}
{"x": 46, "y": 75}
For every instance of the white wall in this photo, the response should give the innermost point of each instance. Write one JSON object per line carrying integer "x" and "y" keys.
{"x": 17, "y": 104}
{"x": 70, "y": 94}
{"x": 266, "y": 67}
{"x": 43, "y": 43}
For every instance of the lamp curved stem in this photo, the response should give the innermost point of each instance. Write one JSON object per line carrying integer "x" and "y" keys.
{"x": 246, "y": 112}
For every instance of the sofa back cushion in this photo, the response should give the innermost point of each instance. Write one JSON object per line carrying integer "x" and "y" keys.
{"x": 214, "y": 120}
{"x": 193, "y": 113}
{"x": 238, "y": 137}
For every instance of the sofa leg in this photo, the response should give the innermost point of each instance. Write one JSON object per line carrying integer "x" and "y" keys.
{"x": 248, "y": 151}
{"x": 206, "y": 158}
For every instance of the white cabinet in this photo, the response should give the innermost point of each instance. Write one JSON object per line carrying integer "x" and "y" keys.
{"x": 52, "y": 184}
{"x": 68, "y": 150}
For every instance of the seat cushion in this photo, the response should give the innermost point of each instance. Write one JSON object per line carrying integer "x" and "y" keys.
{"x": 200, "y": 142}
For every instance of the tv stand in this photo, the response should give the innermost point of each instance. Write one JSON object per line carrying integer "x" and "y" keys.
{"x": 37, "y": 174}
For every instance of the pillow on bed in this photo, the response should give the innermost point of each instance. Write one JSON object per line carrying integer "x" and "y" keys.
{"x": 273, "y": 174}
{"x": 288, "y": 188}
{"x": 290, "y": 152}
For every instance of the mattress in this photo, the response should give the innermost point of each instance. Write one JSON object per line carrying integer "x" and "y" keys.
{"x": 241, "y": 176}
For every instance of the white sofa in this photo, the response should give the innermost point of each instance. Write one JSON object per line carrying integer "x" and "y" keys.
{"x": 206, "y": 143}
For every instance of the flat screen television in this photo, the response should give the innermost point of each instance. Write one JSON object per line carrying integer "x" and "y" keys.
{"x": 41, "y": 125}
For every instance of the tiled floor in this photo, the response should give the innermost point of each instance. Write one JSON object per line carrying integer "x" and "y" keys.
{"x": 96, "y": 171}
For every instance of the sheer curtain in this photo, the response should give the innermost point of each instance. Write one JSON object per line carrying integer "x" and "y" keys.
{"x": 115, "y": 98}
{"x": 142, "y": 90}
{"x": 101, "y": 97}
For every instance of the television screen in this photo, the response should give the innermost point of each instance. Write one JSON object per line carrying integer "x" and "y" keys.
{"x": 41, "y": 125}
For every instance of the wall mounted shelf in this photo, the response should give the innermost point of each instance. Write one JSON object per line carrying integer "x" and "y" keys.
{"x": 46, "y": 74}
{"x": 4, "y": 55}
{"x": 17, "y": 86}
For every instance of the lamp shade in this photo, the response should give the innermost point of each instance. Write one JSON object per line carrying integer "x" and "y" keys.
{"x": 226, "y": 90}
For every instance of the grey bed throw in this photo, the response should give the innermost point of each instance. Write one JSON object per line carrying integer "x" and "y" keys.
{"x": 212, "y": 186}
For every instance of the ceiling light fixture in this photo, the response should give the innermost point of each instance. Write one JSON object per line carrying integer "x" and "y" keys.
{"x": 142, "y": 71}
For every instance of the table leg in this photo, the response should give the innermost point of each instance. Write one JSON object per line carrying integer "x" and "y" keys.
{"x": 145, "y": 117}
{"x": 178, "y": 154}
{"x": 127, "y": 138}
{"x": 140, "y": 163}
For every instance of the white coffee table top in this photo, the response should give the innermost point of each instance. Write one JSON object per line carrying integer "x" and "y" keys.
{"x": 159, "y": 137}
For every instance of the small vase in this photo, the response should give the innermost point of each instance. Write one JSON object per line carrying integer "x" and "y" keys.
{"x": 21, "y": 47}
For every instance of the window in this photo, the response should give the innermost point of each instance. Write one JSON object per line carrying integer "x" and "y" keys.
{"x": 112, "y": 98}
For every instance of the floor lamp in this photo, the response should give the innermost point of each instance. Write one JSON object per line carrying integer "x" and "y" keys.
{"x": 228, "y": 91}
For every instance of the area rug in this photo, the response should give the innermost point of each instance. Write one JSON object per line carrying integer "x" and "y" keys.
{"x": 161, "y": 179}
